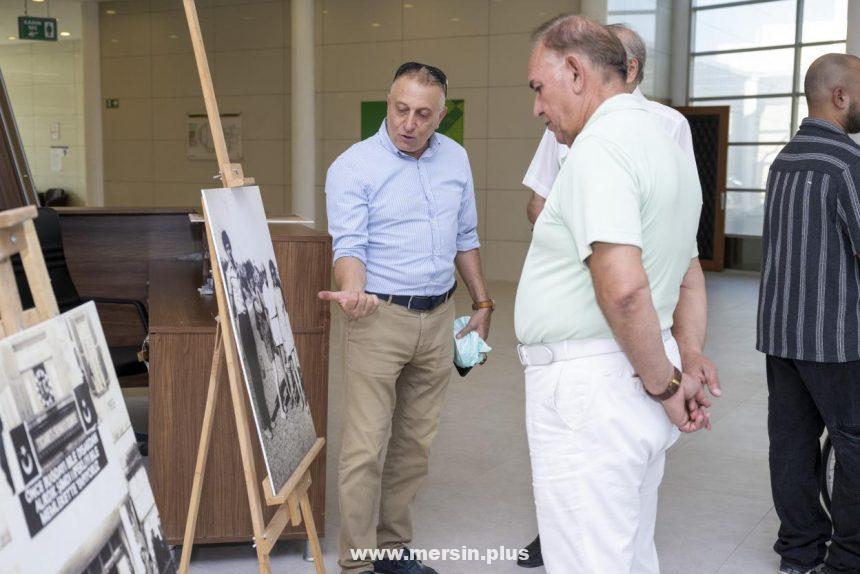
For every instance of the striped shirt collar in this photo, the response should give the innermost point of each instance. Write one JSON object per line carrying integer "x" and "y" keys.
{"x": 385, "y": 141}
{"x": 824, "y": 124}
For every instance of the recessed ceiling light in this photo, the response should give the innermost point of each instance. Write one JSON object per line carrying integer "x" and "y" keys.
{"x": 174, "y": 37}
{"x": 65, "y": 34}
{"x": 376, "y": 25}
{"x": 38, "y": 0}
{"x": 110, "y": 12}
{"x": 455, "y": 19}
{"x": 12, "y": 38}
{"x": 408, "y": 5}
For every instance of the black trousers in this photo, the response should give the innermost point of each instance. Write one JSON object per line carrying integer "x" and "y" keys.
{"x": 804, "y": 398}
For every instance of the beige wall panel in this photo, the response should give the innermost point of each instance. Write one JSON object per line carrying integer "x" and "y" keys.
{"x": 506, "y": 215}
{"x": 347, "y": 21}
{"x": 127, "y": 77}
{"x": 128, "y": 161}
{"x": 172, "y": 165}
{"x": 360, "y": 67}
{"x": 125, "y": 35}
{"x": 123, "y": 7}
{"x": 441, "y": 18}
{"x": 477, "y": 150}
{"x": 169, "y": 31}
{"x": 129, "y": 194}
{"x": 481, "y": 205}
{"x": 330, "y": 150}
{"x": 509, "y": 58}
{"x": 342, "y": 117}
{"x": 17, "y": 69}
{"x": 175, "y": 75}
{"x": 507, "y": 161}
{"x": 53, "y": 69}
{"x": 503, "y": 260}
{"x": 273, "y": 199}
{"x": 510, "y": 114}
{"x": 170, "y": 116}
{"x": 22, "y": 97}
{"x": 69, "y": 131}
{"x": 171, "y": 194}
{"x": 250, "y": 72}
{"x": 26, "y": 129}
{"x": 248, "y": 27}
{"x": 173, "y": 5}
{"x": 464, "y": 60}
{"x": 321, "y": 215}
{"x": 264, "y": 161}
{"x": 262, "y": 116}
{"x": 59, "y": 99}
{"x": 132, "y": 120}
{"x": 512, "y": 16}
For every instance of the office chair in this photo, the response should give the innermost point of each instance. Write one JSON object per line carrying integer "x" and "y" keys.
{"x": 47, "y": 224}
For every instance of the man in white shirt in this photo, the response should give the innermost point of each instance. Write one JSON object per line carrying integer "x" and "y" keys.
{"x": 550, "y": 153}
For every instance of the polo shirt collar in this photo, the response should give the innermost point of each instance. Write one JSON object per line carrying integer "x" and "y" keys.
{"x": 823, "y": 124}
{"x": 435, "y": 141}
{"x": 616, "y": 103}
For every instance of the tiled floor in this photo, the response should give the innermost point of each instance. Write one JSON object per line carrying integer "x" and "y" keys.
{"x": 716, "y": 515}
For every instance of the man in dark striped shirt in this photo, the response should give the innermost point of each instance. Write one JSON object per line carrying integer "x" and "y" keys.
{"x": 809, "y": 322}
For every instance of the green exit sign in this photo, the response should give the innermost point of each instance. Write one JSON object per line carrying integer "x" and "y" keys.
{"x": 33, "y": 28}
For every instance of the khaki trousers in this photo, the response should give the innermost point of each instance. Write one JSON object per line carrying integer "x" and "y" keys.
{"x": 398, "y": 363}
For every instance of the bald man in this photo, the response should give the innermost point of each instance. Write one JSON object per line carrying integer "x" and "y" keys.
{"x": 809, "y": 323}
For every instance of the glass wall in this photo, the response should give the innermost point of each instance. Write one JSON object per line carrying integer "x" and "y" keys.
{"x": 752, "y": 56}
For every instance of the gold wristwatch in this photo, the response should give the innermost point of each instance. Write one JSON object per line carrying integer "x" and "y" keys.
{"x": 488, "y": 304}
{"x": 671, "y": 389}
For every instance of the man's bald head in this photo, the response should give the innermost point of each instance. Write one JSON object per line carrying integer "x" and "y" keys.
{"x": 634, "y": 46}
{"x": 832, "y": 89}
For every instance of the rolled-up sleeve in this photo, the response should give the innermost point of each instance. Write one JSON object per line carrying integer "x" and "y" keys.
{"x": 467, "y": 227}
{"x": 346, "y": 206}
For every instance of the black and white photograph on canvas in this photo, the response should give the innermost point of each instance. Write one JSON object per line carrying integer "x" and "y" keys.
{"x": 74, "y": 495}
{"x": 261, "y": 327}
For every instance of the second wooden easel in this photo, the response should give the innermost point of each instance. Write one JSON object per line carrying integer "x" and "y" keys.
{"x": 18, "y": 236}
{"x": 292, "y": 502}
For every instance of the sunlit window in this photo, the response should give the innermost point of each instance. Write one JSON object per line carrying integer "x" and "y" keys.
{"x": 753, "y": 56}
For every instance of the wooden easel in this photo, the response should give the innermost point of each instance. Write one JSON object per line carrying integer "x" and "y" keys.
{"x": 292, "y": 502}
{"x": 18, "y": 236}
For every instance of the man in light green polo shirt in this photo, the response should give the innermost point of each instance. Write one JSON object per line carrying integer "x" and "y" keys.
{"x": 610, "y": 277}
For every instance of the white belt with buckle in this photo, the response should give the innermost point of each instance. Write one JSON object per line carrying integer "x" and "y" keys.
{"x": 547, "y": 353}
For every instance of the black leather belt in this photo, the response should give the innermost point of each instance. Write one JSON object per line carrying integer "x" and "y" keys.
{"x": 417, "y": 303}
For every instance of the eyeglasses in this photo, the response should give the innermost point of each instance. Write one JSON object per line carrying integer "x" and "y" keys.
{"x": 436, "y": 73}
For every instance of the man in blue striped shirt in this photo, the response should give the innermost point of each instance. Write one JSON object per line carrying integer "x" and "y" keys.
{"x": 809, "y": 322}
{"x": 401, "y": 211}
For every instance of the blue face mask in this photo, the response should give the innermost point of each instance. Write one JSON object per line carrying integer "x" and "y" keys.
{"x": 471, "y": 350}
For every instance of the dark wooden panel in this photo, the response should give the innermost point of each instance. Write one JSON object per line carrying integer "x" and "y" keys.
{"x": 183, "y": 328}
{"x": 710, "y": 129}
{"x": 16, "y": 183}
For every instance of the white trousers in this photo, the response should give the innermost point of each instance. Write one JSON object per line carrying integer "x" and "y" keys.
{"x": 598, "y": 446}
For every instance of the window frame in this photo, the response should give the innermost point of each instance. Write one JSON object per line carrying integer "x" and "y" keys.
{"x": 796, "y": 89}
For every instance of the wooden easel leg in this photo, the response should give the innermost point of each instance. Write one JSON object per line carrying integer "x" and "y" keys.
{"x": 311, "y": 528}
{"x": 203, "y": 450}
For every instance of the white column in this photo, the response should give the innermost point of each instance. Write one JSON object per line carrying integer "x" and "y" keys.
{"x": 303, "y": 137}
{"x": 92, "y": 86}
{"x": 853, "y": 28}
{"x": 679, "y": 78}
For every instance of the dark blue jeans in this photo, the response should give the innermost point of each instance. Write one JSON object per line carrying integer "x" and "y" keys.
{"x": 804, "y": 398}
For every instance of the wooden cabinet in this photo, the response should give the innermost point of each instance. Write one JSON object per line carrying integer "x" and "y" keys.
{"x": 182, "y": 337}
